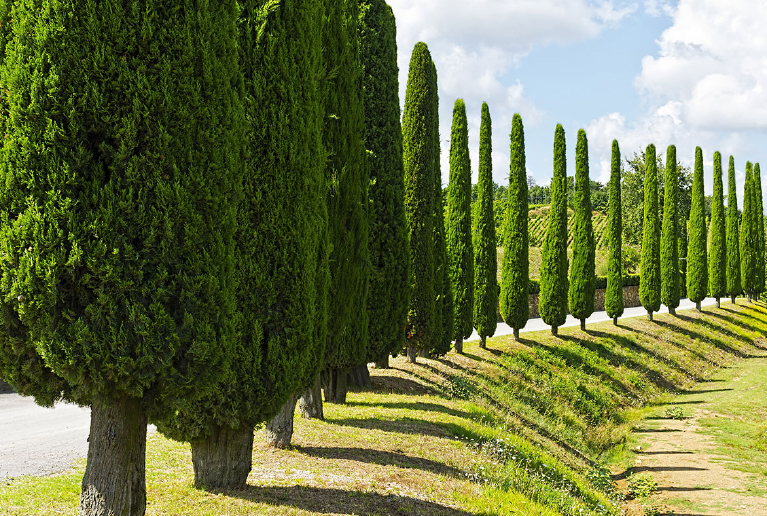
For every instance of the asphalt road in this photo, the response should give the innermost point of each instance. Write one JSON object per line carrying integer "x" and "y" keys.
{"x": 40, "y": 441}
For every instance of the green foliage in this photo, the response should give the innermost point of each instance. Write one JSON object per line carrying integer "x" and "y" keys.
{"x": 641, "y": 485}
{"x": 514, "y": 301}
{"x": 697, "y": 264}
{"x": 458, "y": 231}
{"x": 674, "y": 413}
{"x": 420, "y": 157}
{"x": 553, "y": 298}
{"x": 733, "y": 236}
{"x": 649, "y": 289}
{"x": 614, "y": 293}
{"x": 717, "y": 269}
{"x": 348, "y": 200}
{"x": 759, "y": 229}
{"x": 483, "y": 234}
{"x": 117, "y": 234}
{"x": 581, "y": 293}
{"x": 389, "y": 256}
{"x": 748, "y": 237}
{"x": 669, "y": 251}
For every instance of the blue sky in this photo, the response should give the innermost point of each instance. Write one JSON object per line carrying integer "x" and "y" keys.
{"x": 682, "y": 72}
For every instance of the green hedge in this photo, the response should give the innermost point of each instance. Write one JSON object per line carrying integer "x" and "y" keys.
{"x": 629, "y": 280}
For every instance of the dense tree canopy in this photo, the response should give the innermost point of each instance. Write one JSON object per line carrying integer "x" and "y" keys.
{"x": 582, "y": 278}
{"x": 614, "y": 293}
{"x": 649, "y": 287}
{"x": 697, "y": 264}
{"x": 733, "y": 235}
{"x": 717, "y": 270}
{"x": 669, "y": 251}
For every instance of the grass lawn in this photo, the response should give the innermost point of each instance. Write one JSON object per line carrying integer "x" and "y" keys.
{"x": 520, "y": 428}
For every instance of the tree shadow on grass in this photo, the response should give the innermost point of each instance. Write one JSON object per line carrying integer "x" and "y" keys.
{"x": 716, "y": 329}
{"x": 382, "y": 458}
{"x": 736, "y": 321}
{"x": 407, "y": 426}
{"x": 339, "y": 501}
{"x": 427, "y": 407}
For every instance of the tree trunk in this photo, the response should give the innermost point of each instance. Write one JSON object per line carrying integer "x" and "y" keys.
{"x": 310, "y": 403}
{"x": 279, "y": 431}
{"x": 383, "y": 362}
{"x": 733, "y": 299}
{"x": 649, "y": 315}
{"x": 697, "y": 305}
{"x": 359, "y": 376}
{"x": 114, "y": 480}
{"x": 718, "y": 304}
{"x": 459, "y": 345}
{"x": 554, "y": 330}
{"x": 672, "y": 310}
{"x": 334, "y": 380}
{"x": 483, "y": 343}
{"x": 224, "y": 459}
{"x": 516, "y": 334}
{"x": 583, "y": 324}
{"x": 615, "y": 321}
{"x": 412, "y": 353}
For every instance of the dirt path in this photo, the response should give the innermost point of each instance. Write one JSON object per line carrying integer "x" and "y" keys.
{"x": 701, "y": 464}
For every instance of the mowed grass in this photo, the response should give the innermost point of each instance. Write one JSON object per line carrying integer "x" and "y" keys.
{"x": 519, "y": 428}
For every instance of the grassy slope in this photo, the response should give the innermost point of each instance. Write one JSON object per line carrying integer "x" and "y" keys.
{"x": 518, "y": 428}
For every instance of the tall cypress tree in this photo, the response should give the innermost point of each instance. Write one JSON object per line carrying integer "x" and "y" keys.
{"x": 553, "y": 295}
{"x": 389, "y": 257}
{"x": 697, "y": 273}
{"x": 129, "y": 198}
{"x": 669, "y": 253}
{"x": 759, "y": 229}
{"x": 717, "y": 268}
{"x": 514, "y": 302}
{"x": 582, "y": 276}
{"x": 420, "y": 156}
{"x": 444, "y": 296}
{"x": 483, "y": 234}
{"x": 614, "y": 293}
{"x": 649, "y": 283}
{"x": 458, "y": 236}
{"x": 733, "y": 235}
{"x": 284, "y": 284}
{"x": 748, "y": 258}
{"x": 349, "y": 178}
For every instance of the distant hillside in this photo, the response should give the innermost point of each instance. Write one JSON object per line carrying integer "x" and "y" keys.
{"x": 538, "y": 222}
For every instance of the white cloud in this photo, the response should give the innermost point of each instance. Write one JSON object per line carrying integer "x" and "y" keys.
{"x": 658, "y": 8}
{"x": 713, "y": 60}
{"x": 475, "y": 45}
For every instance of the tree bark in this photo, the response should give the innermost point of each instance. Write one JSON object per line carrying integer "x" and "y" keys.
{"x": 482, "y": 342}
{"x": 649, "y": 315}
{"x": 615, "y": 321}
{"x": 279, "y": 431}
{"x": 224, "y": 459}
{"x": 718, "y": 304}
{"x": 697, "y": 305}
{"x": 459, "y": 345}
{"x": 383, "y": 362}
{"x": 672, "y": 310}
{"x": 114, "y": 480}
{"x": 554, "y": 330}
{"x": 733, "y": 299}
{"x": 334, "y": 380}
{"x": 310, "y": 403}
{"x": 412, "y": 353}
{"x": 359, "y": 376}
{"x": 583, "y": 324}
{"x": 516, "y": 334}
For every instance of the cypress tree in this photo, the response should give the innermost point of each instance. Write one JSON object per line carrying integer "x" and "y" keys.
{"x": 283, "y": 284}
{"x": 759, "y": 229}
{"x": 717, "y": 269}
{"x": 697, "y": 273}
{"x": 124, "y": 192}
{"x": 733, "y": 236}
{"x": 748, "y": 258}
{"x": 649, "y": 283}
{"x": 459, "y": 246}
{"x": 582, "y": 276}
{"x": 444, "y": 297}
{"x": 514, "y": 302}
{"x": 553, "y": 294}
{"x": 349, "y": 178}
{"x": 669, "y": 252}
{"x": 420, "y": 157}
{"x": 389, "y": 257}
{"x": 483, "y": 234}
{"x": 614, "y": 292}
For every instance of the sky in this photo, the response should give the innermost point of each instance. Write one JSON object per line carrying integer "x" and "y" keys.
{"x": 683, "y": 72}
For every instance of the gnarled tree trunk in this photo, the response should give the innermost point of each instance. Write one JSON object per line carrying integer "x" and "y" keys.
{"x": 697, "y": 305}
{"x": 554, "y": 330}
{"x": 672, "y": 311}
{"x": 615, "y": 321}
{"x": 310, "y": 403}
{"x": 359, "y": 376}
{"x": 718, "y": 304}
{"x": 383, "y": 362}
{"x": 335, "y": 384}
{"x": 583, "y": 324}
{"x": 224, "y": 459}
{"x": 482, "y": 342}
{"x": 114, "y": 480}
{"x": 649, "y": 315}
{"x": 459, "y": 345}
{"x": 279, "y": 431}
{"x": 412, "y": 353}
